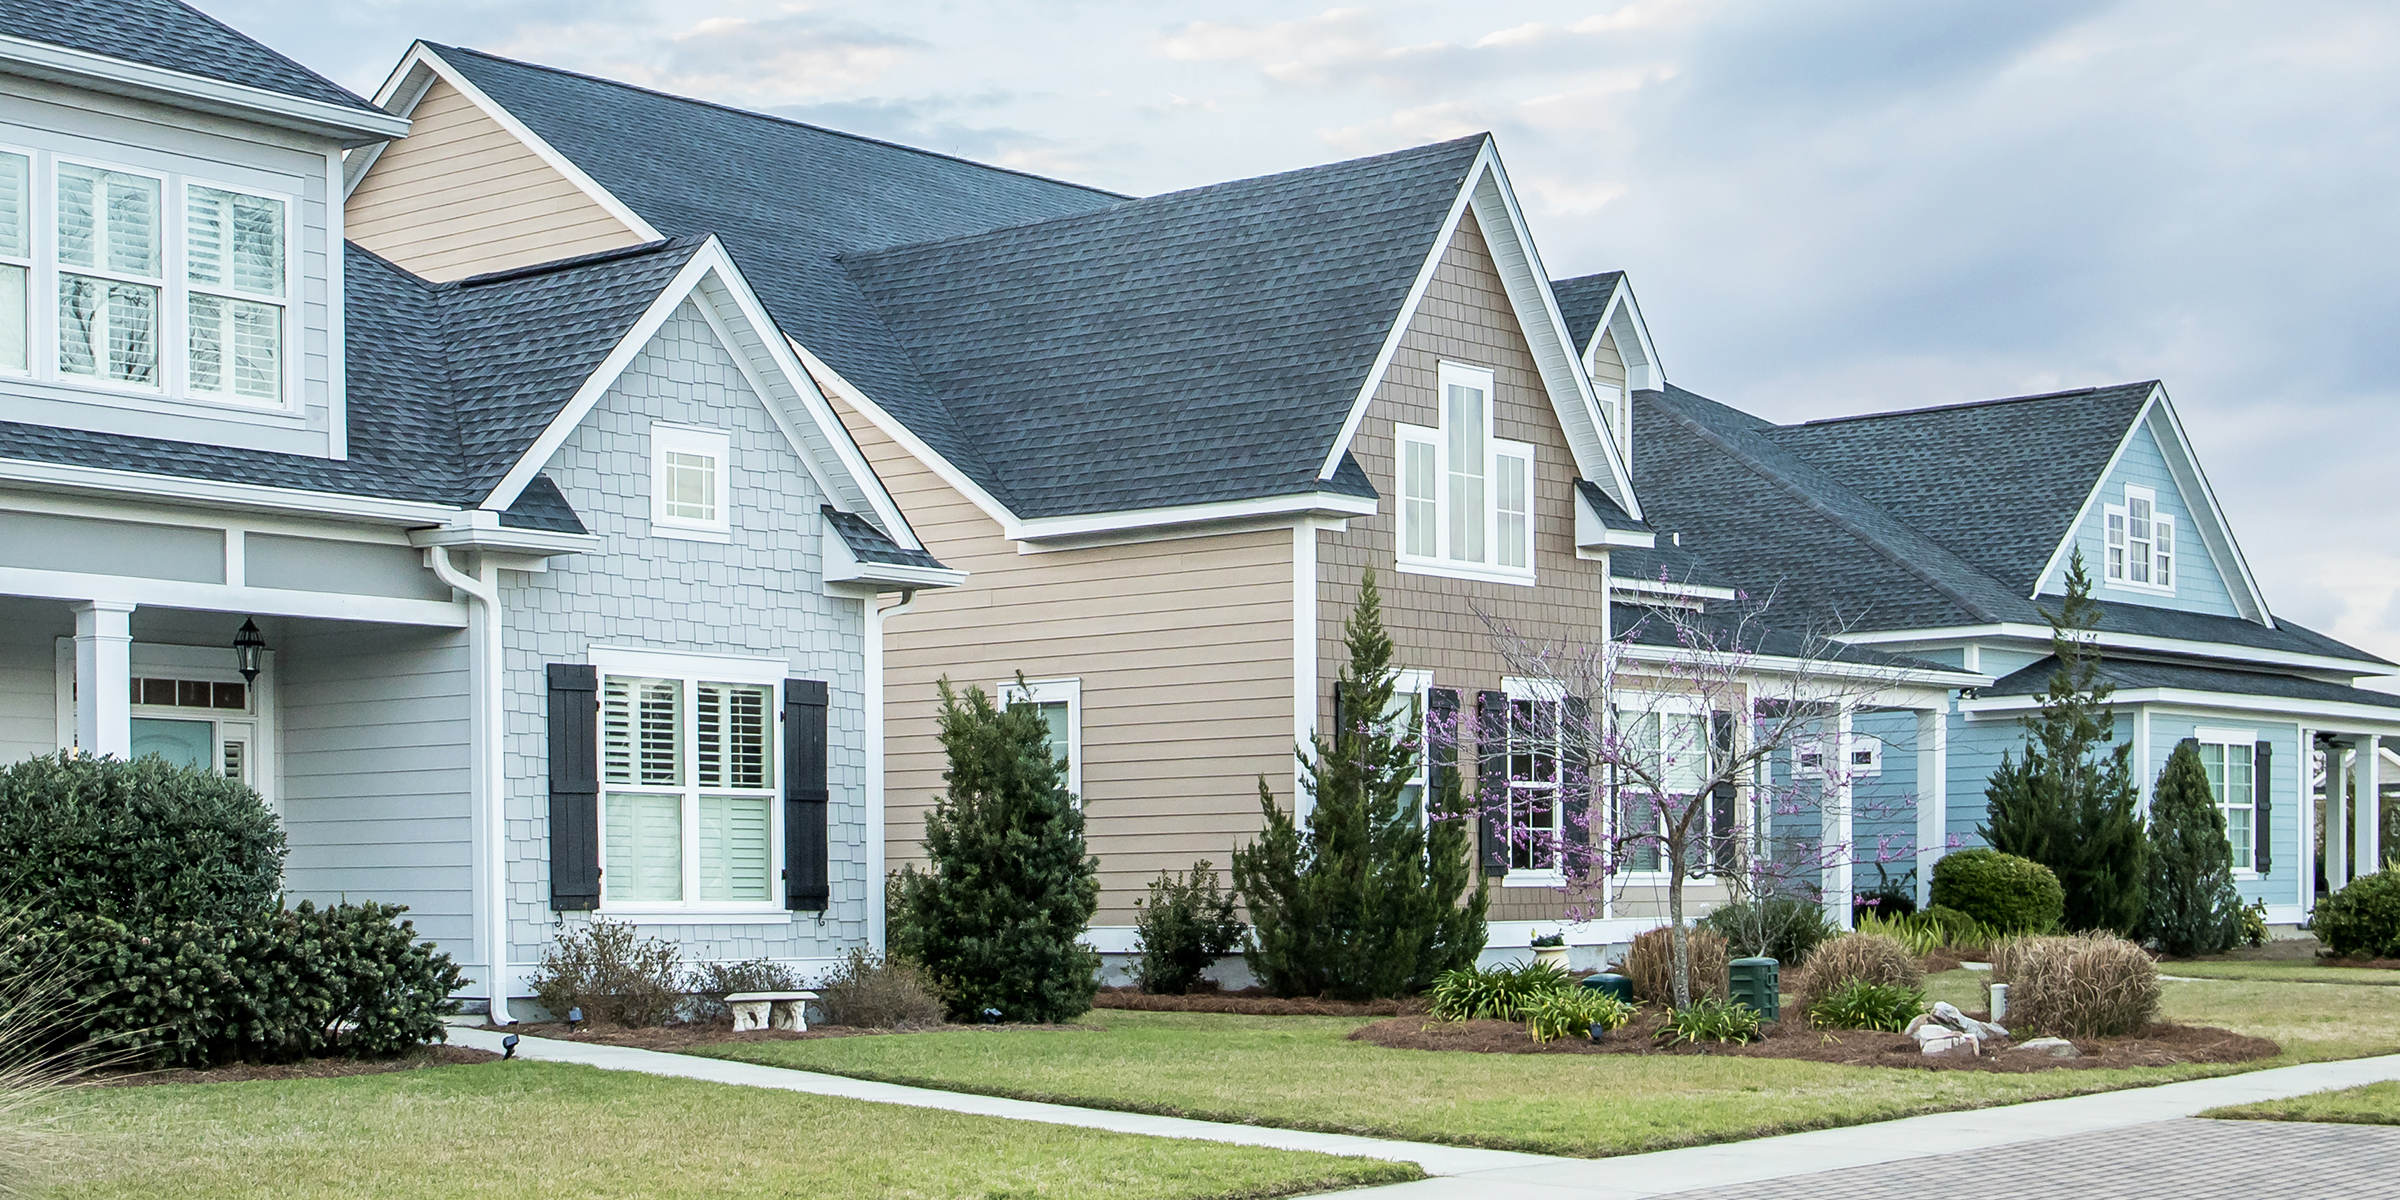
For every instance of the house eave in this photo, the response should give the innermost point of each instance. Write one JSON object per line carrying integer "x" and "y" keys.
{"x": 2123, "y": 641}
{"x": 1326, "y": 505}
{"x": 99, "y": 72}
{"x": 2382, "y": 720}
{"x": 216, "y": 494}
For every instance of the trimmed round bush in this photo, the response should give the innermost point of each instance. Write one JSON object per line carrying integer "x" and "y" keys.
{"x": 1852, "y": 958}
{"x": 139, "y": 842}
{"x": 2087, "y": 985}
{"x": 1650, "y": 966}
{"x": 2362, "y": 918}
{"x": 2009, "y": 894}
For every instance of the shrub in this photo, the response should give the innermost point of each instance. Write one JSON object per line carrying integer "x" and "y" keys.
{"x": 711, "y": 982}
{"x": 141, "y": 842}
{"x": 1711, "y": 1020}
{"x": 1919, "y": 936}
{"x": 1012, "y": 884}
{"x": 1363, "y": 899}
{"x": 1958, "y": 930}
{"x": 1779, "y": 927}
{"x": 2193, "y": 908}
{"x": 1497, "y": 994}
{"x": 1854, "y": 958}
{"x": 1650, "y": 965}
{"x": 1184, "y": 928}
{"x": 1859, "y": 1004}
{"x": 1572, "y": 1012}
{"x": 2012, "y": 895}
{"x": 2363, "y": 918}
{"x": 2087, "y": 985}
{"x": 2254, "y": 923}
{"x": 1889, "y": 897}
{"x": 614, "y": 975}
{"x": 868, "y": 992}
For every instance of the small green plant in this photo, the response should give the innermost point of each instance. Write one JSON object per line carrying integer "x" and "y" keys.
{"x": 1573, "y": 1012}
{"x": 1181, "y": 931}
{"x": 711, "y": 982}
{"x": 2012, "y": 895}
{"x": 613, "y": 974}
{"x": 2254, "y": 923}
{"x": 1863, "y": 1005}
{"x": 1784, "y": 928}
{"x": 1496, "y": 994}
{"x": 1549, "y": 941}
{"x": 1921, "y": 937}
{"x": 2362, "y": 919}
{"x": 1711, "y": 1020}
{"x": 867, "y": 992}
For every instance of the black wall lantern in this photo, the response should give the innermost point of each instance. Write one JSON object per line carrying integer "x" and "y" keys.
{"x": 249, "y": 648}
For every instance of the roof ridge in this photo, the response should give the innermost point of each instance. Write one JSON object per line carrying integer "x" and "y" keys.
{"x": 771, "y": 118}
{"x": 572, "y": 262}
{"x": 1966, "y": 404}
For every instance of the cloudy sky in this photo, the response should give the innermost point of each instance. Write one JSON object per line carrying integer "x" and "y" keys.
{"x": 1827, "y": 207}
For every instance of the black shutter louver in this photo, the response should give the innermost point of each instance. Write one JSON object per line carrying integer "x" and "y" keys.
{"x": 1724, "y": 826}
{"x": 807, "y": 853}
{"x": 1441, "y": 742}
{"x": 2262, "y": 777}
{"x": 1575, "y": 777}
{"x": 1341, "y": 714}
{"x": 1491, "y": 778}
{"x": 574, "y": 721}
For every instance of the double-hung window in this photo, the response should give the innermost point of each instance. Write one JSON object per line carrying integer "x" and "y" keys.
{"x": 1405, "y": 719}
{"x": 233, "y": 258}
{"x": 688, "y": 790}
{"x": 1536, "y": 763}
{"x": 1060, "y": 704}
{"x": 2231, "y": 758}
{"x": 111, "y": 271}
{"x": 1669, "y": 741}
{"x": 2141, "y": 542}
{"x": 1466, "y": 497}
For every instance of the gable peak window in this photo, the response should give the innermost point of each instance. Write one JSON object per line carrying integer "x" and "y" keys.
{"x": 691, "y": 483}
{"x": 1466, "y": 497}
{"x": 2141, "y": 542}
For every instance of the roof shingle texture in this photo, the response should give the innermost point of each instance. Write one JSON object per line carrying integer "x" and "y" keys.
{"x": 1581, "y": 300}
{"x": 171, "y": 36}
{"x": 2136, "y": 675}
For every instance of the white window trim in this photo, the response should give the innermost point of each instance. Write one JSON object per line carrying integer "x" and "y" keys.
{"x": 1440, "y": 563}
{"x": 1547, "y": 691}
{"x": 2247, "y": 739}
{"x": 690, "y": 670}
{"x": 2122, "y": 511}
{"x": 1641, "y": 704}
{"x": 716, "y": 444}
{"x": 1046, "y": 691}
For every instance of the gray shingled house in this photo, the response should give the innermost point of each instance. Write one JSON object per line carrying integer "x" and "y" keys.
{"x": 519, "y": 596}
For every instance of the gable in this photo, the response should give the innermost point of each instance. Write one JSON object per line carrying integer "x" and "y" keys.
{"x": 2198, "y": 585}
{"x": 463, "y": 194}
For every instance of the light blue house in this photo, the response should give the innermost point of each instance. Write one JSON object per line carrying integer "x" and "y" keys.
{"x": 521, "y": 597}
{"x": 1943, "y": 533}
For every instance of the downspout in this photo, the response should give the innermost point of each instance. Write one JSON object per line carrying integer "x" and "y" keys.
{"x": 483, "y": 639}
{"x": 878, "y": 920}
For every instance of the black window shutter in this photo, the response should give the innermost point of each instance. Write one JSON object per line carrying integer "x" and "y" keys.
{"x": 574, "y": 787}
{"x": 2262, "y": 774}
{"x": 1723, "y": 823}
{"x": 1491, "y": 777}
{"x": 1441, "y": 741}
{"x": 1341, "y": 714}
{"x": 1575, "y": 774}
{"x": 807, "y": 853}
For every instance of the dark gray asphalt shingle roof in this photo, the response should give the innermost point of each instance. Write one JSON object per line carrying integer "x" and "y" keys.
{"x": 1611, "y": 513}
{"x": 2135, "y": 674}
{"x": 1581, "y": 300}
{"x": 1723, "y": 630}
{"x": 171, "y": 36}
{"x": 869, "y": 544}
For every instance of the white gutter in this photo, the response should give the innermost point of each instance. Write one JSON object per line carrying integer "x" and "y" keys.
{"x": 2359, "y": 714}
{"x": 487, "y": 726}
{"x": 878, "y": 920}
{"x": 46, "y": 60}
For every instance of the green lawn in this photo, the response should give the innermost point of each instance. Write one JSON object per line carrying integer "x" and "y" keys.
{"x": 1300, "y": 1072}
{"x": 558, "y": 1132}
{"x": 2374, "y": 1104}
{"x": 2301, "y": 971}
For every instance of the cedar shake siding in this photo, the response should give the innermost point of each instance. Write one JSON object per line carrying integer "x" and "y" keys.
{"x": 1183, "y": 647}
{"x": 462, "y": 195}
{"x": 1466, "y": 318}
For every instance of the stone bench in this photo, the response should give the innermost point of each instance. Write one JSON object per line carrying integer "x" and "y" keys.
{"x": 770, "y": 1010}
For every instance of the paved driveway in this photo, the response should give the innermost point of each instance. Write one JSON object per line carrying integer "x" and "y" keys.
{"x": 2189, "y": 1159}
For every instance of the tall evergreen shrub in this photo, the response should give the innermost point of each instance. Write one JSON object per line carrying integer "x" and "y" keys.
{"x": 2193, "y": 908}
{"x": 2070, "y": 803}
{"x": 139, "y": 842}
{"x": 1362, "y": 901}
{"x": 1012, "y": 885}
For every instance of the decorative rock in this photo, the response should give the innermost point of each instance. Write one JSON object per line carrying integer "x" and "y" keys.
{"x": 2049, "y": 1046}
{"x": 1935, "y": 1041}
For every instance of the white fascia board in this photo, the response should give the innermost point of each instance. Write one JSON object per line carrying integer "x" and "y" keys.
{"x": 421, "y": 54}
{"x": 2065, "y": 550}
{"x": 1778, "y": 666}
{"x": 892, "y": 428}
{"x": 1592, "y": 533}
{"x": 1681, "y": 591}
{"x": 1624, "y": 314}
{"x": 99, "y": 72}
{"x": 2217, "y": 532}
{"x": 215, "y": 494}
{"x": 2125, "y": 641}
{"x": 218, "y": 597}
{"x": 2383, "y": 720}
{"x": 502, "y": 539}
{"x": 841, "y": 566}
{"x": 1304, "y": 504}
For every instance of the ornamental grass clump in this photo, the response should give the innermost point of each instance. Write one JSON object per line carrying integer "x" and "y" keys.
{"x": 1862, "y": 1005}
{"x": 1650, "y": 965}
{"x": 1782, "y": 928}
{"x": 1855, "y": 958}
{"x": 1711, "y": 1020}
{"x": 2087, "y": 985}
{"x": 1574, "y": 1012}
{"x": 1494, "y": 994}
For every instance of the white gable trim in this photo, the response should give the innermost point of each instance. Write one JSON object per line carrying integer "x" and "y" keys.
{"x": 710, "y": 278}
{"x": 100, "y": 72}
{"x": 1488, "y": 193}
{"x": 1623, "y": 317}
{"x": 405, "y": 89}
{"x": 892, "y": 428}
{"x": 2158, "y": 415}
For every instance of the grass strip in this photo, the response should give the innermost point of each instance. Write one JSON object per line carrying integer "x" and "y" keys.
{"x": 2371, "y": 1104}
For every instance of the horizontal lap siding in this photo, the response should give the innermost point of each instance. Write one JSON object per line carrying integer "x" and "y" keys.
{"x": 1466, "y": 317}
{"x": 1183, "y": 647}
{"x": 460, "y": 194}
{"x": 29, "y": 633}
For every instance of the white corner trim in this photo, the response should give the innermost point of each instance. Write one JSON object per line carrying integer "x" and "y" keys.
{"x": 1304, "y": 656}
{"x": 105, "y": 73}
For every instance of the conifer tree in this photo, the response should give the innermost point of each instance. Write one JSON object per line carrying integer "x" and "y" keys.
{"x": 2193, "y": 906}
{"x": 1362, "y": 900}
{"x": 1012, "y": 885}
{"x": 2069, "y": 803}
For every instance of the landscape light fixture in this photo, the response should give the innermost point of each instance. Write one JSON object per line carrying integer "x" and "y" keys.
{"x": 249, "y": 650}
{"x": 508, "y": 1047}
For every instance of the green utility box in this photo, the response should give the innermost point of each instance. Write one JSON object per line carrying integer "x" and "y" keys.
{"x": 1611, "y": 985}
{"x": 1757, "y": 982}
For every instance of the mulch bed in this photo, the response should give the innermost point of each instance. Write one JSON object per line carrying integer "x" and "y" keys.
{"x": 676, "y": 1038}
{"x": 2163, "y": 1043}
{"x": 1253, "y": 1002}
{"x": 314, "y": 1068}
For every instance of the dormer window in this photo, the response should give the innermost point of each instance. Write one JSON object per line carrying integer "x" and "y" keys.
{"x": 2141, "y": 542}
{"x": 1466, "y": 497}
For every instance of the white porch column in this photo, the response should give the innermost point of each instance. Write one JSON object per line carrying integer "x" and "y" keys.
{"x": 2307, "y": 815}
{"x": 2367, "y": 842}
{"x": 103, "y": 678}
{"x": 1838, "y": 856}
{"x": 1933, "y": 797}
{"x": 2337, "y": 818}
